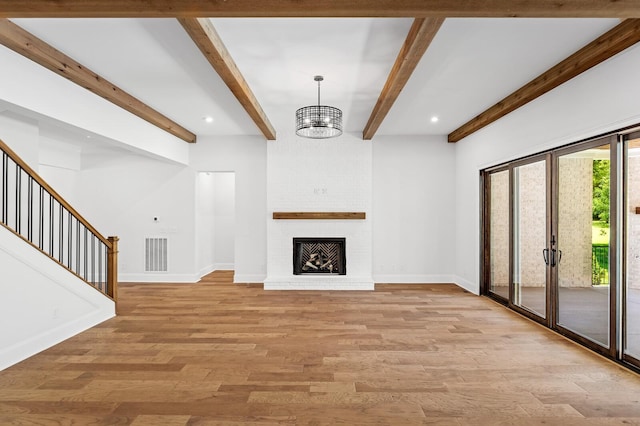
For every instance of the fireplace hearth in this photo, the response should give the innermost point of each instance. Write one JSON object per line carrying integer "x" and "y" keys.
{"x": 319, "y": 256}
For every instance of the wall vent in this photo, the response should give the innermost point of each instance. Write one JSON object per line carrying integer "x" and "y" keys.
{"x": 155, "y": 255}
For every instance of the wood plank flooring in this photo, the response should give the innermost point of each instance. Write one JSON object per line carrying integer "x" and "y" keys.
{"x": 215, "y": 353}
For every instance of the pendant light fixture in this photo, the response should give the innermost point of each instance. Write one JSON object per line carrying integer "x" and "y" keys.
{"x": 318, "y": 121}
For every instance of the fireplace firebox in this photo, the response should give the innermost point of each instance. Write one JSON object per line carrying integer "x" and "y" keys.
{"x": 319, "y": 256}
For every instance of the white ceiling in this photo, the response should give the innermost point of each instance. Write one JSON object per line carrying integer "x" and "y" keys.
{"x": 471, "y": 64}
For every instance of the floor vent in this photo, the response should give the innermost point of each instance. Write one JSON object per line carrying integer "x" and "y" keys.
{"x": 155, "y": 255}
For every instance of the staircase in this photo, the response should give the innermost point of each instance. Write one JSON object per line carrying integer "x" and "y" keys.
{"x": 58, "y": 274}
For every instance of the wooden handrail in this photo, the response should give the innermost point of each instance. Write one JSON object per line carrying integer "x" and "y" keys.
{"x": 112, "y": 269}
{"x": 8, "y": 228}
{"x": 51, "y": 191}
{"x": 86, "y": 267}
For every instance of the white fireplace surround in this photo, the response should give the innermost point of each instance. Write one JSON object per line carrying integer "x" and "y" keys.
{"x": 309, "y": 282}
{"x": 319, "y": 176}
{"x": 358, "y": 255}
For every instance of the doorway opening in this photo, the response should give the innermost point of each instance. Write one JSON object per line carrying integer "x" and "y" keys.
{"x": 215, "y": 221}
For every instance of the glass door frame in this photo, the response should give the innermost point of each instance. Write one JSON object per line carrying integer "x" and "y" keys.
{"x": 485, "y": 251}
{"x": 485, "y": 233}
{"x": 618, "y": 242}
{"x": 612, "y": 140}
{"x": 546, "y": 157}
{"x": 624, "y": 141}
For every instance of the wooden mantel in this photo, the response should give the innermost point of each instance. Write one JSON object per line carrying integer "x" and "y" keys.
{"x": 319, "y": 215}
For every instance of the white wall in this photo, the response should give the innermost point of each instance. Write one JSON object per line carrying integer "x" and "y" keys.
{"x": 224, "y": 219}
{"x": 332, "y": 175}
{"x": 136, "y": 189}
{"x": 59, "y": 164}
{"x": 41, "y": 303}
{"x": 123, "y": 196}
{"x": 45, "y": 93}
{"x": 121, "y": 192}
{"x": 215, "y": 221}
{"x": 64, "y": 181}
{"x": 413, "y": 209}
{"x": 602, "y": 99}
{"x": 205, "y": 223}
{"x": 22, "y": 136}
{"x": 246, "y": 156}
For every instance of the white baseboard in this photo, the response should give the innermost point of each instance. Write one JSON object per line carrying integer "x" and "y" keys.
{"x": 320, "y": 282}
{"x": 215, "y": 267}
{"x": 466, "y": 284}
{"x": 38, "y": 343}
{"x": 413, "y": 279}
{"x": 43, "y": 301}
{"x": 223, "y": 267}
{"x": 248, "y": 278}
{"x": 206, "y": 270}
{"x": 257, "y": 278}
{"x": 159, "y": 278}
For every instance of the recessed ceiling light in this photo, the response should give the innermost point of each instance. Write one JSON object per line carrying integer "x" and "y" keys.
{"x": 434, "y": 119}
{"x": 208, "y": 119}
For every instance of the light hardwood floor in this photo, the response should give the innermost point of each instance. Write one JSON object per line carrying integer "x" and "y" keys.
{"x": 215, "y": 353}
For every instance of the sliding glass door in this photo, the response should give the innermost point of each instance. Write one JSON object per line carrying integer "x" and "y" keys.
{"x": 497, "y": 201}
{"x": 529, "y": 225}
{"x": 584, "y": 214}
{"x": 561, "y": 238}
{"x": 631, "y": 288}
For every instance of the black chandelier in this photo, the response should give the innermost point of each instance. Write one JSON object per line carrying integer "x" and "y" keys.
{"x": 318, "y": 121}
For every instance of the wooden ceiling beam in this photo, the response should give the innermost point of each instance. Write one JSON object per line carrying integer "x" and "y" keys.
{"x": 604, "y": 47}
{"x": 314, "y": 8}
{"x": 204, "y": 35}
{"x": 418, "y": 40}
{"x": 26, "y": 44}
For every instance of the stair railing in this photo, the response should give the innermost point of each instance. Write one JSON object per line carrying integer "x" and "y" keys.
{"x": 35, "y": 212}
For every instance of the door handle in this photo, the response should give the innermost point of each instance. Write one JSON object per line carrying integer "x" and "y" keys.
{"x": 559, "y": 256}
{"x": 553, "y": 257}
{"x": 545, "y": 256}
